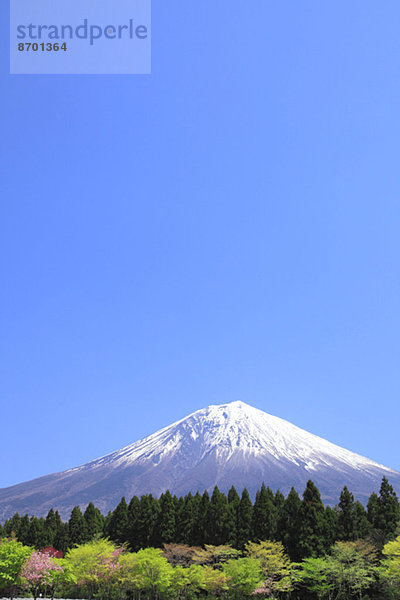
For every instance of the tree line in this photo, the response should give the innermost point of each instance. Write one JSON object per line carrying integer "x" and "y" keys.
{"x": 304, "y": 526}
{"x": 102, "y": 570}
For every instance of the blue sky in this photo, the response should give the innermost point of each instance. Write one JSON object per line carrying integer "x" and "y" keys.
{"x": 224, "y": 229}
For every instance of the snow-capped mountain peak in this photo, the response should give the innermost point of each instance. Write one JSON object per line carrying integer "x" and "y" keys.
{"x": 228, "y": 444}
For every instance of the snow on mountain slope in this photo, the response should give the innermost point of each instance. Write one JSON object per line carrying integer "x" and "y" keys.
{"x": 234, "y": 427}
{"x": 230, "y": 444}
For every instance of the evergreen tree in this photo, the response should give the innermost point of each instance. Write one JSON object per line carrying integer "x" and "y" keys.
{"x": 362, "y": 526}
{"x": 133, "y": 520}
{"x": 265, "y": 515}
{"x": 373, "y": 510}
{"x": 117, "y": 527}
{"x": 52, "y": 525}
{"x": 23, "y": 534}
{"x": 147, "y": 518}
{"x": 330, "y": 528}
{"x": 61, "y": 541}
{"x": 244, "y": 520}
{"x": 94, "y": 522}
{"x": 218, "y": 517}
{"x": 199, "y": 530}
{"x": 346, "y": 517}
{"x": 289, "y": 525}
{"x": 12, "y": 526}
{"x": 279, "y": 501}
{"x": 233, "y": 505}
{"x": 388, "y": 513}
{"x": 76, "y": 527}
{"x": 165, "y": 525}
{"x": 312, "y": 523}
{"x": 36, "y": 533}
{"x": 185, "y": 520}
{"x": 233, "y": 496}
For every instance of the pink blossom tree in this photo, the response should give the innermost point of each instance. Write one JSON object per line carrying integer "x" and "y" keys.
{"x": 39, "y": 571}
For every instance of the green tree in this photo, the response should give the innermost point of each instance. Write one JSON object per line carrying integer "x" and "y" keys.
{"x": 391, "y": 566}
{"x": 214, "y": 555}
{"x": 373, "y": 509}
{"x": 218, "y": 516}
{"x": 165, "y": 525}
{"x": 274, "y": 563}
{"x": 146, "y": 520}
{"x": 330, "y": 527}
{"x": 312, "y": 523}
{"x": 213, "y": 581}
{"x": 37, "y": 535}
{"x": 76, "y": 527}
{"x": 265, "y": 515}
{"x": 200, "y": 525}
{"x": 61, "y": 541}
{"x": 13, "y": 555}
{"x": 243, "y": 575}
{"x": 346, "y": 516}
{"x": 279, "y": 501}
{"x": 244, "y": 520}
{"x": 12, "y": 526}
{"x": 153, "y": 571}
{"x": 52, "y": 525}
{"x": 185, "y": 520}
{"x": 233, "y": 504}
{"x": 348, "y": 573}
{"x": 88, "y": 563}
{"x": 23, "y": 533}
{"x": 94, "y": 522}
{"x": 117, "y": 527}
{"x": 388, "y": 510}
{"x": 133, "y": 522}
{"x": 362, "y": 526}
{"x": 289, "y": 524}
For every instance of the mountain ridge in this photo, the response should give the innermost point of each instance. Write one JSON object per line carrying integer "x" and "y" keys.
{"x": 224, "y": 445}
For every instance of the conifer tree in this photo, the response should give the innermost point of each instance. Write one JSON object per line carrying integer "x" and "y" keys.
{"x": 12, "y": 526}
{"x": 94, "y": 522}
{"x": 185, "y": 520}
{"x": 244, "y": 520}
{"x": 388, "y": 510}
{"x": 233, "y": 504}
{"x": 312, "y": 523}
{"x": 147, "y": 518}
{"x": 218, "y": 517}
{"x": 52, "y": 524}
{"x": 133, "y": 520}
{"x": 199, "y": 529}
{"x": 289, "y": 525}
{"x": 330, "y": 528}
{"x": 362, "y": 526}
{"x": 76, "y": 527}
{"x": 233, "y": 496}
{"x": 23, "y": 534}
{"x": 117, "y": 527}
{"x": 373, "y": 510}
{"x": 61, "y": 541}
{"x": 37, "y": 535}
{"x": 165, "y": 524}
{"x": 279, "y": 501}
{"x": 264, "y": 515}
{"x": 346, "y": 517}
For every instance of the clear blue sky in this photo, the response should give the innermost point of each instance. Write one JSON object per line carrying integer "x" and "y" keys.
{"x": 224, "y": 229}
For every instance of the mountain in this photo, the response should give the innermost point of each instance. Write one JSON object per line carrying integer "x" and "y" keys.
{"x": 231, "y": 444}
